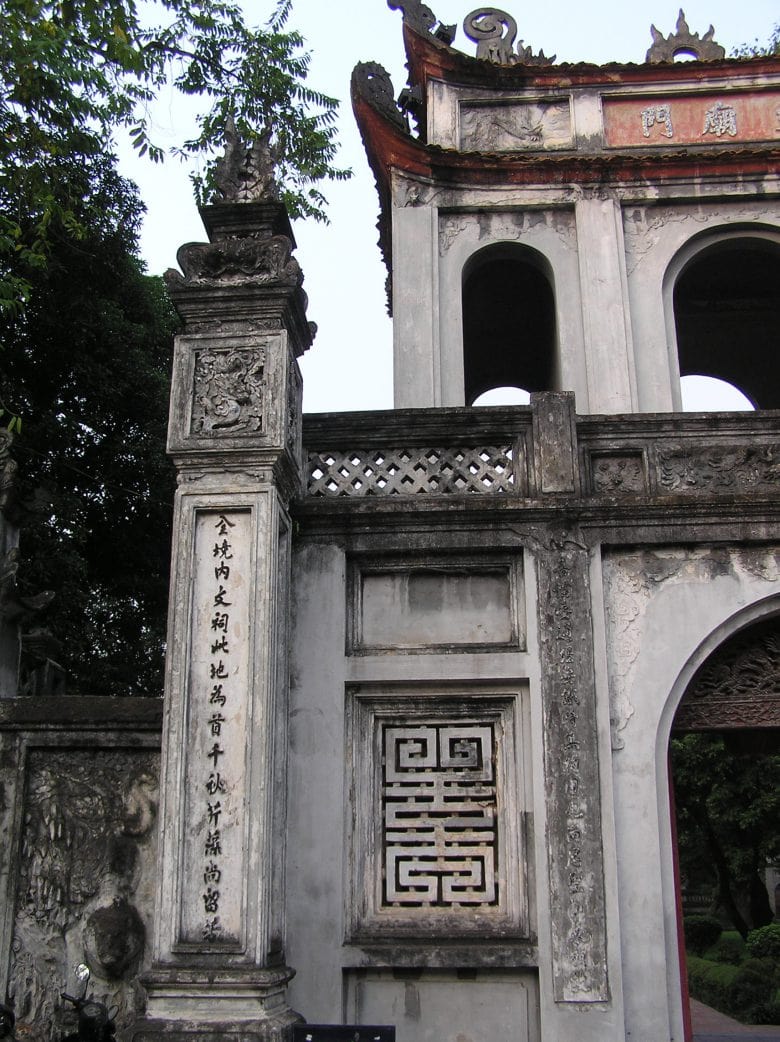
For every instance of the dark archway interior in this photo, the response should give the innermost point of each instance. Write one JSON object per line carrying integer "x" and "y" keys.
{"x": 509, "y": 330}
{"x": 727, "y": 312}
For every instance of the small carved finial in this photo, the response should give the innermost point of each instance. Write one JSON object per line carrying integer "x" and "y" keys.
{"x": 683, "y": 41}
{"x": 245, "y": 174}
{"x": 494, "y": 33}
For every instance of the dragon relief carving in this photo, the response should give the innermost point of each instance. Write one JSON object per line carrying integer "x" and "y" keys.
{"x": 85, "y": 881}
{"x": 738, "y": 685}
{"x": 515, "y": 127}
{"x": 702, "y": 470}
{"x": 228, "y": 392}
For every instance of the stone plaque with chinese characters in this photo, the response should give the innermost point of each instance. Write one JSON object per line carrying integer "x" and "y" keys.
{"x": 691, "y": 119}
{"x": 212, "y": 864}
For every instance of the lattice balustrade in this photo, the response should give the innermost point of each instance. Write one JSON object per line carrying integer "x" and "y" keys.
{"x": 439, "y": 806}
{"x": 413, "y": 471}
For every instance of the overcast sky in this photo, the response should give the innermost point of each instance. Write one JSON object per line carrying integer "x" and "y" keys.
{"x": 350, "y": 364}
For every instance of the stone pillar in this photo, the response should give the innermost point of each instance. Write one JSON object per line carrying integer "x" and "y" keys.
{"x": 235, "y": 436}
{"x": 605, "y": 314}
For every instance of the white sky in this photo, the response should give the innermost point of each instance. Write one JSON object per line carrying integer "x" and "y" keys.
{"x": 350, "y": 364}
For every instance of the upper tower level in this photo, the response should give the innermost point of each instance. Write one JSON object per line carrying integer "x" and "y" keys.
{"x": 597, "y": 229}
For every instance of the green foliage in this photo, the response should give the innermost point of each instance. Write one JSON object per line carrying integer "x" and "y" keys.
{"x": 728, "y": 824}
{"x": 746, "y": 992}
{"x": 701, "y": 932}
{"x": 73, "y": 72}
{"x": 87, "y": 365}
{"x": 764, "y": 943}
{"x": 757, "y": 49}
{"x": 729, "y": 948}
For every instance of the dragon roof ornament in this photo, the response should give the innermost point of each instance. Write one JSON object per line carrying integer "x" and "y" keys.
{"x": 421, "y": 18}
{"x": 494, "y": 33}
{"x": 683, "y": 41}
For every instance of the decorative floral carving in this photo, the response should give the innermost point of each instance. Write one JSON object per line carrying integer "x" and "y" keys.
{"x": 449, "y": 229}
{"x": 738, "y": 685}
{"x": 87, "y": 849}
{"x": 682, "y": 41}
{"x": 245, "y": 174}
{"x": 494, "y": 33}
{"x": 293, "y": 407}
{"x": 228, "y": 392}
{"x": 237, "y": 261}
{"x": 371, "y": 81}
{"x": 617, "y": 475}
{"x": 686, "y": 469}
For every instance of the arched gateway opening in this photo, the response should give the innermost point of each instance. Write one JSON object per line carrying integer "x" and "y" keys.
{"x": 724, "y": 765}
{"x": 509, "y": 328}
{"x": 727, "y": 316}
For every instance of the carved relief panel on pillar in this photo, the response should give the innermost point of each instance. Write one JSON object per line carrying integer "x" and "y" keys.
{"x": 235, "y": 393}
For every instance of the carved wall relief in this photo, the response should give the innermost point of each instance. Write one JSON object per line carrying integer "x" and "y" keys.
{"x": 738, "y": 685}
{"x": 515, "y": 126}
{"x": 702, "y": 468}
{"x": 575, "y": 854}
{"x": 85, "y": 881}
{"x": 228, "y": 392}
{"x": 631, "y": 581}
{"x": 410, "y": 471}
{"x": 617, "y": 474}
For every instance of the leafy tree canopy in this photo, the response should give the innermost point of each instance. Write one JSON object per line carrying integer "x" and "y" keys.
{"x": 88, "y": 363}
{"x": 728, "y": 824}
{"x": 74, "y": 71}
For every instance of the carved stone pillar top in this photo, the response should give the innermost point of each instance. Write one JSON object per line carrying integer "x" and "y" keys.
{"x": 245, "y": 275}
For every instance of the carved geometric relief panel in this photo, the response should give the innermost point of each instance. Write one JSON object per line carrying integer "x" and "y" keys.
{"x": 439, "y": 810}
{"x": 440, "y": 835}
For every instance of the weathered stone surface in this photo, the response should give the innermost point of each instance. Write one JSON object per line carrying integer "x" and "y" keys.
{"x": 85, "y": 878}
{"x": 574, "y": 837}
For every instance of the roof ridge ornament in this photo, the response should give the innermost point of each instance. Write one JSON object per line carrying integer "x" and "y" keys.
{"x": 421, "y": 18}
{"x": 494, "y": 32}
{"x": 682, "y": 41}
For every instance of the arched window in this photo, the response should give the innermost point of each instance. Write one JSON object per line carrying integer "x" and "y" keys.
{"x": 727, "y": 316}
{"x": 509, "y": 329}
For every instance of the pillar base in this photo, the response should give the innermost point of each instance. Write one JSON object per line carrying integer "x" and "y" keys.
{"x": 201, "y": 1005}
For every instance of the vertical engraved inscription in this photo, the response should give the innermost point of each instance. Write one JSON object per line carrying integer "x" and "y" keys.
{"x": 213, "y": 856}
{"x": 439, "y": 804}
{"x": 572, "y": 778}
